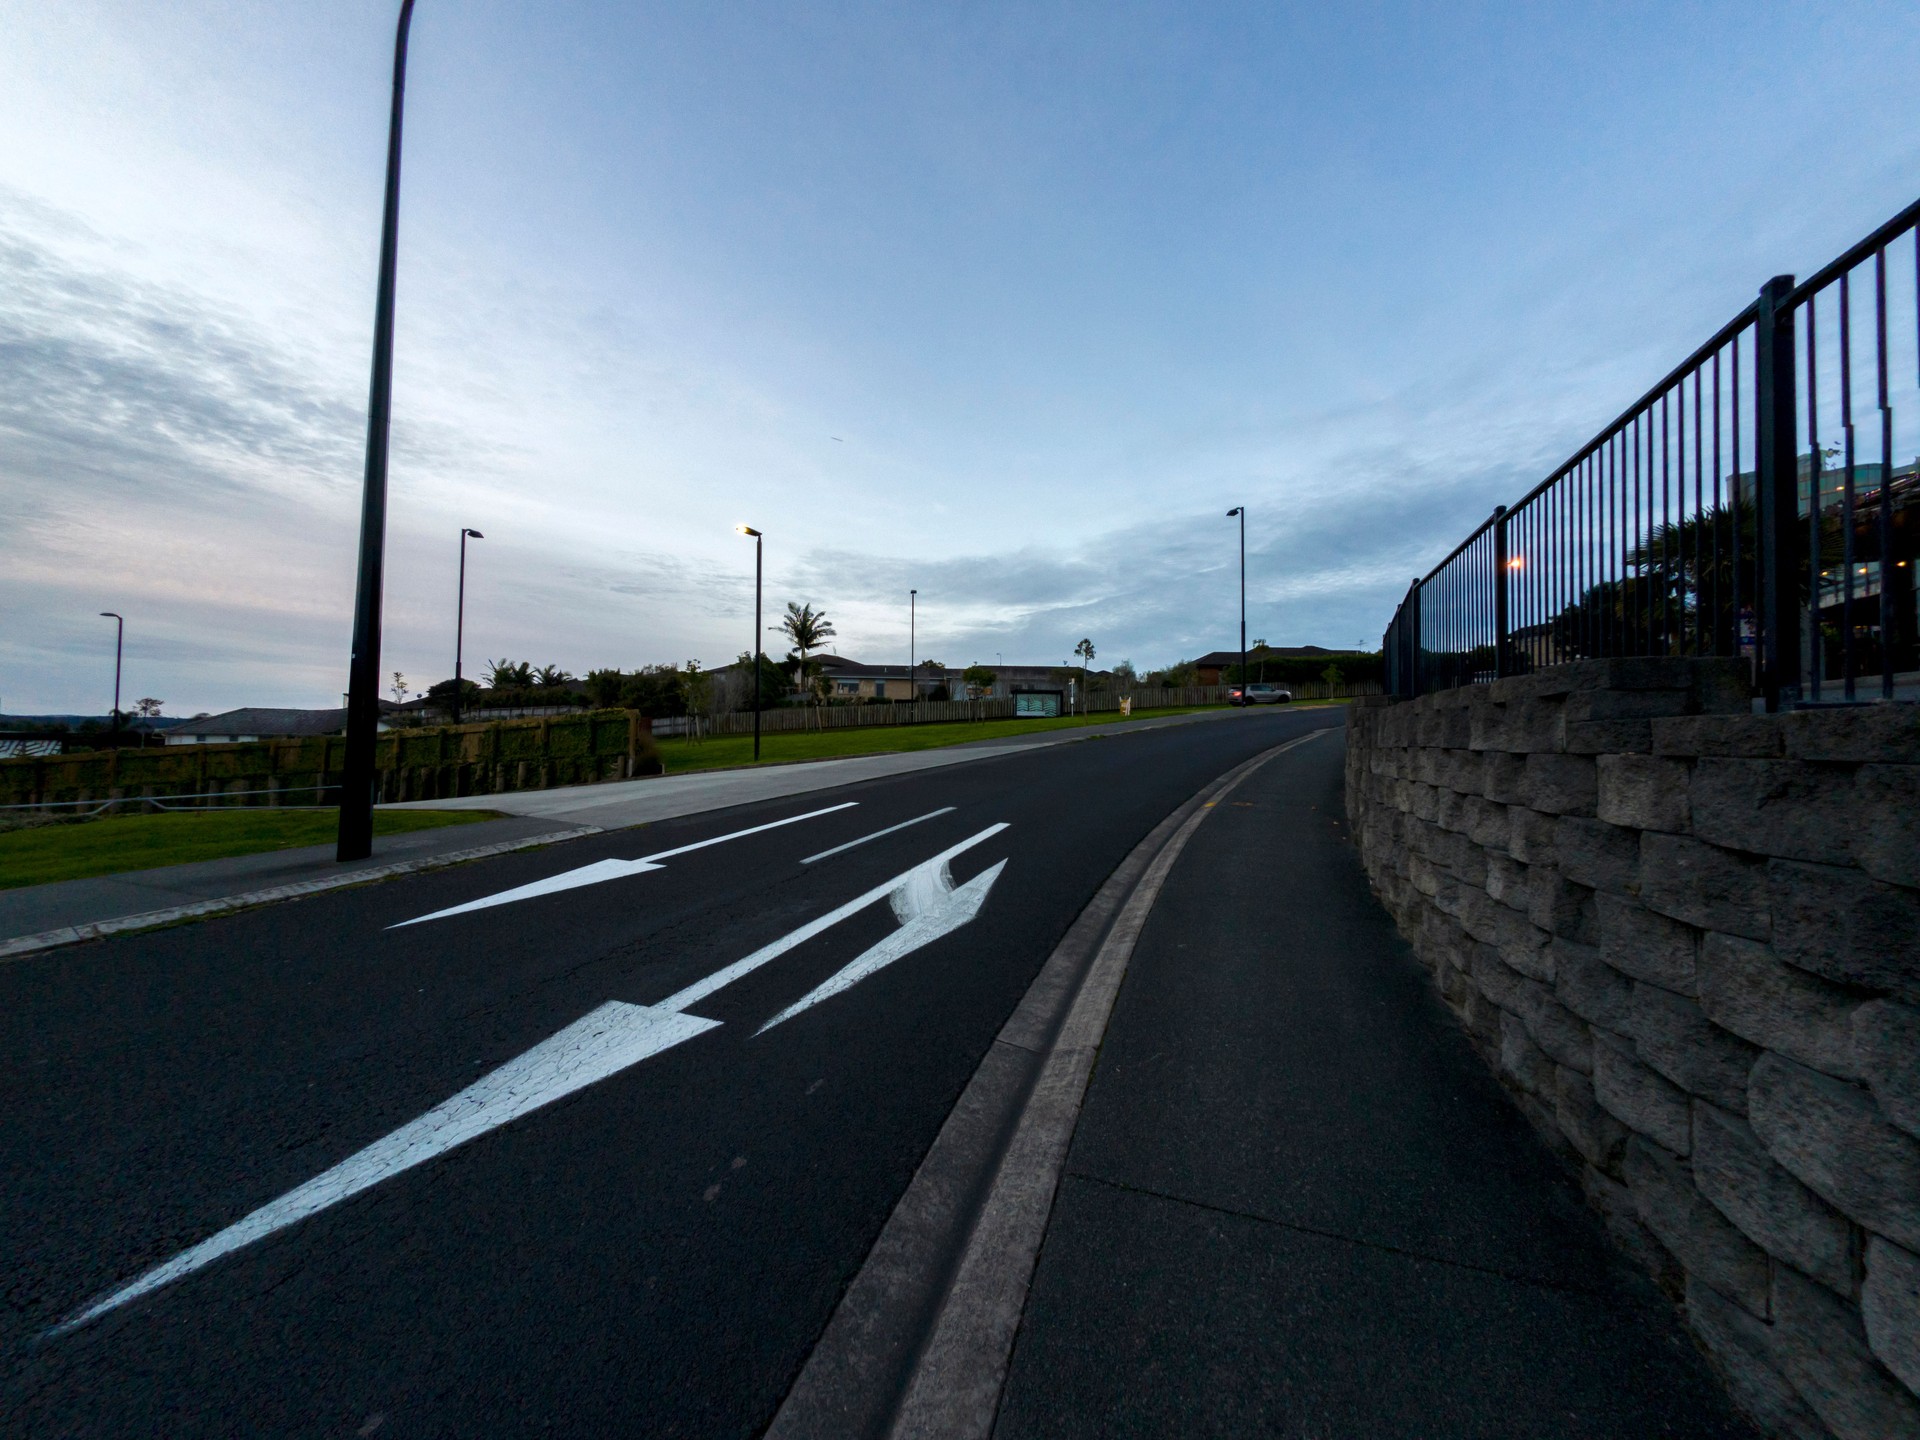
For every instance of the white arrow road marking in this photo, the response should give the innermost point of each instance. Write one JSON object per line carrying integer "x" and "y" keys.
{"x": 930, "y": 815}
{"x": 924, "y": 874}
{"x": 598, "y": 1045}
{"x": 954, "y": 909}
{"x": 601, "y": 870}
{"x": 602, "y": 1043}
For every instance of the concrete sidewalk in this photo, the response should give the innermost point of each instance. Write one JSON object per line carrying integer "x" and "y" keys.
{"x": 34, "y": 916}
{"x": 1298, "y": 1204}
{"x": 618, "y": 803}
{"x": 33, "y": 910}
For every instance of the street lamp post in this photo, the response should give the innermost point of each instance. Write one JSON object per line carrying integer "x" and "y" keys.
{"x": 758, "y": 541}
{"x": 119, "y": 635}
{"x": 1241, "y": 511}
{"x": 913, "y": 655}
{"x": 460, "y": 618}
{"x": 363, "y": 675}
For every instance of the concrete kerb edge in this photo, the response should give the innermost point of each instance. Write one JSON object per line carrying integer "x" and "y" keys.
{"x": 985, "y": 1259}
{"x": 205, "y": 909}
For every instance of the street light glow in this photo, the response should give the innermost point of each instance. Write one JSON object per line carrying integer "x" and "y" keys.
{"x": 746, "y": 530}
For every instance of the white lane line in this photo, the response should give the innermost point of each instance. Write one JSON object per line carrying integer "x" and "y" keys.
{"x": 943, "y": 810}
{"x": 599, "y": 1044}
{"x": 602, "y": 870}
{"x": 700, "y": 989}
{"x": 954, "y": 910}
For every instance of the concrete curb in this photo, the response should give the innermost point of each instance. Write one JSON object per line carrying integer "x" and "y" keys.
{"x": 920, "y": 1344}
{"x": 147, "y": 920}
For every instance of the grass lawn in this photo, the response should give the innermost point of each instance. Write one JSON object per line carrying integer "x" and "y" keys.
{"x": 725, "y": 751}
{"x": 117, "y": 843}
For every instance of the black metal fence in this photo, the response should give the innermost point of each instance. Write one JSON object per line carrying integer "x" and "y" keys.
{"x": 1753, "y": 503}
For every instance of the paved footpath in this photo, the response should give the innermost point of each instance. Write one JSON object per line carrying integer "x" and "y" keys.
{"x": 32, "y": 915}
{"x": 1297, "y": 1203}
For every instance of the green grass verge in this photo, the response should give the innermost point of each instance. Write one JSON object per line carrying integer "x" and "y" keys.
{"x": 727, "y": 751}
{"x": 114, "y": 844}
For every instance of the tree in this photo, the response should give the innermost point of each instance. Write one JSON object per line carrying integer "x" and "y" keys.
{"x": 550, "y": 677}
{"x": 979, "y": 680}
{"x": 808, "y": 629}
{"x": 1085, "y": 651}
{"x": 775, "y": 683}
{"x": 934, "y": 670}
{"x": 603, "y": 688}
{"x": 653, "y": 690}
{"x": 442, "y": 694}
{"x": 1126, "y": 676}
{"x": 508, "y": 674}
{"x": 696, "y": 691}
{"x": 400, "y": 688}
{"x": 148, "y": 707}
{"x": 1334, "y": 678}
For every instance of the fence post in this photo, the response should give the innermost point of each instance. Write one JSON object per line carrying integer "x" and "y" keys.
{"x": 1413, "y": 670}
{"x": 1776, "y": 493}
{"x": 1499, "y": 591}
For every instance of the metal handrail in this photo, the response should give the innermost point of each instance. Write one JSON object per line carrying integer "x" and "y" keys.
{"x": 1635, "y": 545}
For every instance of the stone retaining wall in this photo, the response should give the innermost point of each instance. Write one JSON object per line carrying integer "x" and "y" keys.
{"x": 1687, "y": 937}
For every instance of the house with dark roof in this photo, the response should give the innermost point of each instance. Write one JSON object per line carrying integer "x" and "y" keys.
{"x": 1210, "y": 669}
{"x": 240, "y": 726}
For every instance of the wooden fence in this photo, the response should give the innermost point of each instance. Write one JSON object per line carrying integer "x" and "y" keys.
{"x": 789, "y": 718}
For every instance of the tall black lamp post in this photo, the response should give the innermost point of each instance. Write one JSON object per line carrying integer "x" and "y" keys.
{"x": 759, "y": 542}
{"x": 1241, "y": 511}
{"x": 363, "y": 675}
{"x": 913, "y": 656}
{"x": 119, "y": 635}
{"x": 460, "y": 618}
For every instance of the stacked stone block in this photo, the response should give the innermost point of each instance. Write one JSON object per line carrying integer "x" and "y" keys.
{"x": 1687, "y": 938}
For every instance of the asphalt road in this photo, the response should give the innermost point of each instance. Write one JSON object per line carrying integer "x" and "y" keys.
{"x": 653, "y": 1252}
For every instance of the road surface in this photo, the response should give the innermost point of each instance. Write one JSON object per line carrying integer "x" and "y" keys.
{"x": 594, "y": 1149}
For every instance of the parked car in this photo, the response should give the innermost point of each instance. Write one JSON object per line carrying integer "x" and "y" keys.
{"x": 1259, "y": 693}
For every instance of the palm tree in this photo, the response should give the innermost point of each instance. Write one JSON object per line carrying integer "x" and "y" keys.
{"x": 1085, "y": 651}
{"x": 808, "y": 629}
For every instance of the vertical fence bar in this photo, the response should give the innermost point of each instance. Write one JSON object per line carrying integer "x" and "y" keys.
{"x": 1419, "y": 643}
{"x": 1719, "y": 515}
{"x": 1885, "y": 517}
{"x": 1739, "y": 574}
{"x": 1817, "y": 469}
{"x": 1847, "y": 549}
{"x": 1774, "y": 495}
{"x": 1500, "y": 591}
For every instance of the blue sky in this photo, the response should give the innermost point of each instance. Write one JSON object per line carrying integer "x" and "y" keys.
{"x": 1066, "y": 281}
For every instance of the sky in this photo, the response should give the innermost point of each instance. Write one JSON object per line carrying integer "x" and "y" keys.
{"x": 1008, "y": 304}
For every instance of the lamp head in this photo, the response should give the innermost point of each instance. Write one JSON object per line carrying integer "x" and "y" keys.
{"x": 110, "y": 614}
{"x": 474, "y": 533}
{"x": 1236, "y": 510}
{"x": 747, "y": 530}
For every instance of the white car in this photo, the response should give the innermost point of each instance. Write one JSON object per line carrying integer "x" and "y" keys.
{"x": 1259, "y": 693}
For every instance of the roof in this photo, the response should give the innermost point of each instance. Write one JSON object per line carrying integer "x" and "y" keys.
{"x": 264, "y": 722}
{"x": 1267, "y": 652}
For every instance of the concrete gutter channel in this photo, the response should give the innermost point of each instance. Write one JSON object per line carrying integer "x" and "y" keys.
{"x": 919, "y": 1346}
